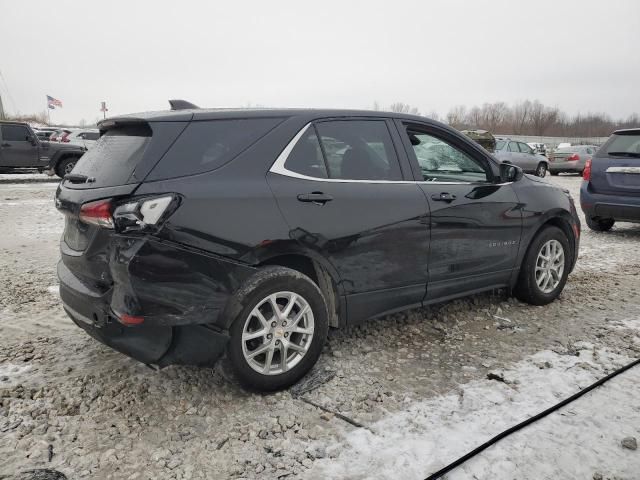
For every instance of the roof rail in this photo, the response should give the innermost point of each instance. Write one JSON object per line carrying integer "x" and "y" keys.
{"x": 181, "y": 105}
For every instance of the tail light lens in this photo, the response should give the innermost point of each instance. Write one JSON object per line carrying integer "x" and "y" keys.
{"x": 144, "y": 214}
{"x": 97, "y": 213}
{"x": 586, "y": 173}
{"x": 573, "y": 158}
{"x": 137, "y": 215}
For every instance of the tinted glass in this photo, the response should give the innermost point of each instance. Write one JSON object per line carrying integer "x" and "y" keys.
{"x": 14, "y": 133}
{"x": 207, "y": 145}
{"x": 359, "y": 150}
{"x": 624, "y": 145}
{"x": 114, "y": 157}
{"x": 513, "y": 147}
{"x": 306, "y": 157}
{"x": 91, "y": 135}
{"x": 441, "y": 161}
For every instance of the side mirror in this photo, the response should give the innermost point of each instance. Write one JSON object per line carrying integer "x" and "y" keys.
{"x": 510, "y": 172}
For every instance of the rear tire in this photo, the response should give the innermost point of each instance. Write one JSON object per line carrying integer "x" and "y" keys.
{"x": 295, "y": 333}
{"x": 541, "y": 281}
{"x": 600, "y": 225}
{"x": 66, "y": 166}
{"x": 541, "y": 170}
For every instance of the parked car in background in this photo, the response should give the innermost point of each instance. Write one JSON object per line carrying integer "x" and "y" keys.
{"x": 610, "y": 190}
{"x": 540, "y": 148}
{"x": 522, "y": 155}
{"x": 563, "y": 145}
{"x": 86, "y": 137}
{"x": 320, "y": 218}
{"x": 43, "y": 135}
{"x": 20, "y": 148}
{"x": 570, "y": 159}
{"x": 57, "y": 135}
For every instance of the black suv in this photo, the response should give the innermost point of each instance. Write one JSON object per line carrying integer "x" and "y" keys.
{"x": 21, "y": 148}
{"x": 196, "y": 233}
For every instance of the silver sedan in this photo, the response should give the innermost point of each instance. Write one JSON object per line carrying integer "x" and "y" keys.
{"x": 570, "y": 159}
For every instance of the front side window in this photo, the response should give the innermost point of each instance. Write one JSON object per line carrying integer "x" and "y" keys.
{"x": 358, "y": 150}
{"x": 441, "y": 161}
{"x": 14, "y": 133}
{"x": 513, "y": 147}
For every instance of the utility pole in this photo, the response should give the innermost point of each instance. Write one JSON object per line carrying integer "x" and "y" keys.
{"x": 2, "y": 117}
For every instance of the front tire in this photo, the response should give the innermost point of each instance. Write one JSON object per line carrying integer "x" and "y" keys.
{"x": 600, "y": 225}
{"x": 545, "y": 267}
{"x": 278, "y": 335}
{"x": 541, "y": 170}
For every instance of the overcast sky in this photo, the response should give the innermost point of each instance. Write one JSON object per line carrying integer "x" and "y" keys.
{"x": 581, "y": 56}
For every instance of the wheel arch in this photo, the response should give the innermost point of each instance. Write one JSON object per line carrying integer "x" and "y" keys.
{"x": 320, "y": 272}
{"x": 62, "y": 155}
{"x": 556, "y": 218}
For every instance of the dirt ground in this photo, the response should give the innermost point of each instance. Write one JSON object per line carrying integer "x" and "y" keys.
{"x": 70, "y": 404}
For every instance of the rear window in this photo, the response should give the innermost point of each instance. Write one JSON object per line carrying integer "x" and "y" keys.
{"x": 565, "y": 150}
{"x": 207, "y": 145}
{"x": 115, "y": 156}
{"x": 623, "y": 145}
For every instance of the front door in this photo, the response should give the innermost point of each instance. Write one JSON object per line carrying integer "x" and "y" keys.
{"x": 342, "y": 193}
{"x": 17, "y": 147}
{"x": 475, "y": 221}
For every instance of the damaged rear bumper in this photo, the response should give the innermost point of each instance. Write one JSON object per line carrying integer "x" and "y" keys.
{"x": 179, "y": 295}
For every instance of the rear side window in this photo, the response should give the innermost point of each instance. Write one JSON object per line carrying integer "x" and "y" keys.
{"x": 306, "y": 157}
{"x": 499, "y": 144}
{"x": 358, "y": 150}
{"x": 14, "y": 133}
{"x": 91, "y": 135}
{"x": 207, "y": 145}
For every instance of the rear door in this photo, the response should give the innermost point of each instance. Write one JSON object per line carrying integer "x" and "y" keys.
{"x": 342, "y": 191}
{"x": 528, "y": 159}
{"x": 475, "y": 222}
{"x": 615, "y": 169}
{"x": 18, "y": 149}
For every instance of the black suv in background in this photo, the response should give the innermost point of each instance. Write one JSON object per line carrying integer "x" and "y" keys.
{"x": 196, "y": 233}
{"x": 21, "y": 148}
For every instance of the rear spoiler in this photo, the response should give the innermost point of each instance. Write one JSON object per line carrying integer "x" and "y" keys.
{"x": 182, "y": 105}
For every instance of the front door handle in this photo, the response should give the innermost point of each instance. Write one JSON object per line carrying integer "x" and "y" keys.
{"x": 315, "y": 197}
{"x": 443, "y": 197}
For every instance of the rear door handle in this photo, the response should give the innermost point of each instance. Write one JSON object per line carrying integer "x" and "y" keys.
{"x": 315, "y": 197}
{"x": 443, "y": 197}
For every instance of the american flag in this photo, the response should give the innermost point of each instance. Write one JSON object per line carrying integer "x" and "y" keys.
{"x": 52, "y": 103}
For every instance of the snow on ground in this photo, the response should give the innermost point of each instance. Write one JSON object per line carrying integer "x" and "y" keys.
{"x": 579, "y": 440}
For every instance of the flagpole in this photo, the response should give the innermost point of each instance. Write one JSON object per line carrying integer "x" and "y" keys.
{"x": 48, "y": 113}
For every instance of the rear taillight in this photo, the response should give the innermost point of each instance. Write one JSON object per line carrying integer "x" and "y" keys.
{"x": 97, "y": 213}
{"x": 586, "y": 173}
{"x": 573, "y": 158}
{"x": 144, "y": 214}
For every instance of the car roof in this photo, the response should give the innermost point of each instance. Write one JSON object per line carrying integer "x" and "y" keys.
{"x": 219, "y": 113}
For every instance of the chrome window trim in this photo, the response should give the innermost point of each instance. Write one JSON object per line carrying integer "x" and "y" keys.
{"x": 279, "y": 169}
{"x": 623, "y": 170}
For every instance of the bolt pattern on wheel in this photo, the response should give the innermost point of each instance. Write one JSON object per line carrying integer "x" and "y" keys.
{"x": 549, "y": 266}
{"x": 277, "y": 333}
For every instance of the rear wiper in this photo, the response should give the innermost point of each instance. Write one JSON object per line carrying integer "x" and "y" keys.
{"x": 77, "y": 178}
{"x": 625, "y": 154}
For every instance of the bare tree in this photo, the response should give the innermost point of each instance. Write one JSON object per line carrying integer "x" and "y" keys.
{"x": 456, "y": 116}
{"x": 542, "y": 117}
{"x": 521, "y": 114}
{"x": 400, "y": 107}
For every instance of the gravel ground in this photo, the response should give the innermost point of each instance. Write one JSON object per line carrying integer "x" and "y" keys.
{"x": 70, "y": 404}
